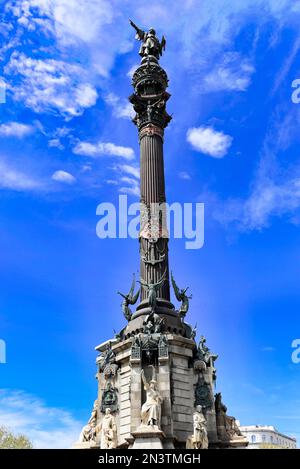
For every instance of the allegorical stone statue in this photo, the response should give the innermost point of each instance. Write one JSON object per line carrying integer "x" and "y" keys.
{"x": 108, "y": 431}
{"x": 89, "y": 431}
{"x": 227, "y": 427}
{"x": 199, "y": 439}
{"x": 152, "y": 289}
{"x": 181, "y": 295}
{"x": 151, "y": 409}
{"x": 150, "y": 43}
{"x": 129, "y": 299}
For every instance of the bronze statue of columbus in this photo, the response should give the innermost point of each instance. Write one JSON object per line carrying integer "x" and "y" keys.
{"x": 150, "y": 43}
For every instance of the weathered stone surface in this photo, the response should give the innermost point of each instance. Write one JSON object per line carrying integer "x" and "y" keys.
{"x": 182, "y": 393}
{"x": 182, "y": 385}
{"x": 184, "y": 426}
{"x": 147, "y": 437}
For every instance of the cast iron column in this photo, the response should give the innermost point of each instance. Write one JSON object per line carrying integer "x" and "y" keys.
{"x": 149, "y": 101}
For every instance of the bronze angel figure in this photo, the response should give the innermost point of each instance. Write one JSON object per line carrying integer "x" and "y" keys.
{"x": 152, "y": 289}
{"x": 181, "y": 295}
{"x": 150, "y": 43}
{"x": 129, "y": 299}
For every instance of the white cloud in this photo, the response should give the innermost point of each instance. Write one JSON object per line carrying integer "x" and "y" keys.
{"x": 275, "y": 188}
{"x": 15, "y": 129}
{"x": 209, "y": 141}
{"x": 132, "y": 186}
{"x": 94, "y": 29}
{"x": 50, "y": 85}
{"x": 47, "y": 427}
{"x": 14, "y": 179}
{"x": 286, "y": 66}
{"x": 128, "y": 175}
{"x": 95, "y": 32}
{"x": 132, "y": 170}
{"x": 121, "y": 107}
{"x": 55, "y": 143}
{"x": 132, "y": 70}
{"x": 101, "y": 148}
{"x": 232, "y": 74}
{"x": 63, "y": 176}
{"x": 184, "y": 175}
{"x": 268, "y": 199}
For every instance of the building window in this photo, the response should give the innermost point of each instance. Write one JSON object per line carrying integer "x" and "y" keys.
{"x": 264, "y": 438}
{"x": 253, "y": 439}
{"x": 271, "y": 439}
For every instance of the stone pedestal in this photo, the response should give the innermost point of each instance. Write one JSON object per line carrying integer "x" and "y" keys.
{"x": 147, "y": 437}
{"x": 86, "y": 445}
{"x": 175, "y": 382}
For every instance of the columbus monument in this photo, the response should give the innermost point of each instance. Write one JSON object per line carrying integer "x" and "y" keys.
{"x": 156, "y": 384}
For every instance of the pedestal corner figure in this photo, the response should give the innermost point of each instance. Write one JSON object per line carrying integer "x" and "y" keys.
{"x": 151, "y": 409}
{"x": 108, "y": 431}
{"x": 199, "y": 439}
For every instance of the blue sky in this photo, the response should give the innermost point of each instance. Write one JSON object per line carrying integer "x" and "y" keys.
{"x": 67, "y": 144}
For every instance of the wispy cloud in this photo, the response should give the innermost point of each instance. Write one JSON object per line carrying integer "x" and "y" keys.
{"x": 184, "y": 175}
{"x": 46, "y": 427}
{"x": 274, "y": 189}
{"x": 17, "y": 180}
{"x": 15, "y": 129}
{"x": 286, "y": 66}
{"x": 121, "y": 107}
{"x": 63, "y": 176}
{"x": 132, "y": 186}
{"x": 46, "y": 85}
{"x": 232, "y": 73}
{"x": 55, "y": 143}
{"x": 129, "y": 169}
{"x": 209, "y": 141}
{"x": 126, "y": 178}
{"x": 95, "y": 150}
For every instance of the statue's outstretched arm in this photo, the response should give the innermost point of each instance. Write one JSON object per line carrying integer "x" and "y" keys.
{"x": 139, "y": 32}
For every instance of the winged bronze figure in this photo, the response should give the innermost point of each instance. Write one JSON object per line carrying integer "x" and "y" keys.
{"x": 152, "y": 289}
{"x": 129, "y": 299}
{"x": 181, "y": 295}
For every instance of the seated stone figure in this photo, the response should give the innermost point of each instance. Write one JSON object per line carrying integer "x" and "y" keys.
{"x": 89, "y": 431}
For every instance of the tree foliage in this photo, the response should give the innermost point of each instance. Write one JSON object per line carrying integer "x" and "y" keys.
{"x": 10, "y": 441}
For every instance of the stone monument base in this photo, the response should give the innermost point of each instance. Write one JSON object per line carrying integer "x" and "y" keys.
{"x": 85, "y": 445}
{"x": 238, "y": 443}
{"x": 148, "y": 437}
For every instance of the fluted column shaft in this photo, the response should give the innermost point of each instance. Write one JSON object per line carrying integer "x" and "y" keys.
{"x": 153, "y": 192}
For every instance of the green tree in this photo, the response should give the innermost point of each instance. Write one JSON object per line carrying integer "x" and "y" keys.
{"x": 10, "y": 441}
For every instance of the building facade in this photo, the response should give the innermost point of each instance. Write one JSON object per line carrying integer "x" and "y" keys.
{"x": 267, "y": 436}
